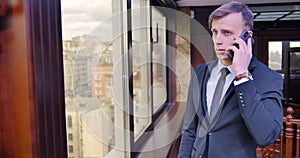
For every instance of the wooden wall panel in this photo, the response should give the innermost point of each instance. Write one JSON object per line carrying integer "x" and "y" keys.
{"x": 31, "y": 81}
{"x": 15, "y": 127}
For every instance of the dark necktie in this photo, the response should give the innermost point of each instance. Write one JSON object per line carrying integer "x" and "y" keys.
{"x": 216, "y": 100}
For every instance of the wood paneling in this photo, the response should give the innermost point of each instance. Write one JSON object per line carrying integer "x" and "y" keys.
{"x": 15, "y": 134}
{"x": 31, "y": 79}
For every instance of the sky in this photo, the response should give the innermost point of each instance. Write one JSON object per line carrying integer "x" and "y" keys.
{"x": 81, "y": 17}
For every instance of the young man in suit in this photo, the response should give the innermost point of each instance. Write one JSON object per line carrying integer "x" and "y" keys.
{"x": 247, "y": 111}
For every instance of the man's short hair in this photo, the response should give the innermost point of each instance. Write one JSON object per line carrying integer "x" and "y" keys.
{"x": 232, "y": 7}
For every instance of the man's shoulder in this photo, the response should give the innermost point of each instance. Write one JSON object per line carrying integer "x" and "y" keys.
{"x": 264, "y": 69}
{"x": 265, "y": 74}
{"x": 205, "y": 65}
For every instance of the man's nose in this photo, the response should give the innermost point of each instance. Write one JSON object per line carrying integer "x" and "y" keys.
{"x": 219, "y": 39}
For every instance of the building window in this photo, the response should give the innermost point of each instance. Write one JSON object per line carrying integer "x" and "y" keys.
{"x": 69, "y": 121}
{"x": 70, "y": 137}
{"x": 71, "y": 150}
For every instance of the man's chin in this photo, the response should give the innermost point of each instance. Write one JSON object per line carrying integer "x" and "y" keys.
{"x": 225, "y": 60}
{"x": 223, "y": 57}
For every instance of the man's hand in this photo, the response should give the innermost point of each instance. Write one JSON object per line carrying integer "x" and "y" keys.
{"x": 242, "y": 55}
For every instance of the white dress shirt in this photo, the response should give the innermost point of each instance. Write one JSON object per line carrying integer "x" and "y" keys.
{"x": 212, "y": 82}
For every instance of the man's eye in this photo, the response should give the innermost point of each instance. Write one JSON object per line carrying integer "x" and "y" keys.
{"x": 227, "y": 33}
{"x": 214, "y": 32}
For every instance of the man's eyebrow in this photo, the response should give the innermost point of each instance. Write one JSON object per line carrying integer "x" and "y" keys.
{"x": 226, "y": 30}
{"x": 212, "y": 29}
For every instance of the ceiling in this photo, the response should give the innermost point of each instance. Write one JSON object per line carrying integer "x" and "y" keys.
{"x": 277, "y": 16}
{"x": 276, "y": 13}
{"x": 270, "y": 10}
{"x": 182, "y": 3}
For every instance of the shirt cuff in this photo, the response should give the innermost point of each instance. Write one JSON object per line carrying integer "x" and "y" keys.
{"x": 242, "y": 80}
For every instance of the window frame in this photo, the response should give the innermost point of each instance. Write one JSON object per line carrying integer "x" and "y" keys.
{"x": 136, "y": 145}
{"x": 49, "y": 101}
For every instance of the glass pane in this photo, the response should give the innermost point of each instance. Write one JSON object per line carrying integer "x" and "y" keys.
{"x": 89, "y": 55}
{"x": 294, "y": 44}
{"x": 294, "y": 79}
{"x": 294, "y": 63}
{"x": 159, "y": 59}
{"x": 141, "y": 66}
{"x": 275, "y": 55}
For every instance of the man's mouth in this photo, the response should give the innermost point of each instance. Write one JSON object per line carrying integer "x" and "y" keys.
{"x": 221, "y": 51}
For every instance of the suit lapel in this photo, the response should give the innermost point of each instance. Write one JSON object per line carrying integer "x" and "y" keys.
{"x": 228, "y": 93}
{"x": 203, "y": 82}
{"x": 203, "y": 92}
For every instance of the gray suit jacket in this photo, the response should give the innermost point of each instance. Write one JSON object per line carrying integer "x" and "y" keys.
{"x": 251, "y": 114}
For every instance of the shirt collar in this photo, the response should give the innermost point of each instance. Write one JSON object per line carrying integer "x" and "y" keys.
{"x": 220, "y": 65}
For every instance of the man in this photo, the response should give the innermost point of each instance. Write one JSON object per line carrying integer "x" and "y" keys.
{"x": 249, "y": 110}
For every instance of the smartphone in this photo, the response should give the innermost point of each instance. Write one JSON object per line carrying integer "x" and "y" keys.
{"x": 244, "y": 35}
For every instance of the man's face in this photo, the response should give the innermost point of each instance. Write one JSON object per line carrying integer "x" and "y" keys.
{"x": 223, "y": 32}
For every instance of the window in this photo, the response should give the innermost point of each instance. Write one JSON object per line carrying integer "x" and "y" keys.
{"x": 69, "y": 121}
{"x": 98, "y": 77}
{"x": 116, "y": 78}
{"x": 284, "y": 57}
{"x": 159, "y": 54}
{"x": 71, "y": 150}
{"x": 70, "y": 137}
{"x": 141, "y": 50}
{"x": 89, "y": 49}
{"x": 294, "y": 44}
{"x": 275, "y": 55}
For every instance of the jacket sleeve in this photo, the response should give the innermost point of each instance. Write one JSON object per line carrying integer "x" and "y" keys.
{"x": 190, "y": 120}
{"x": 260, "y": 102}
